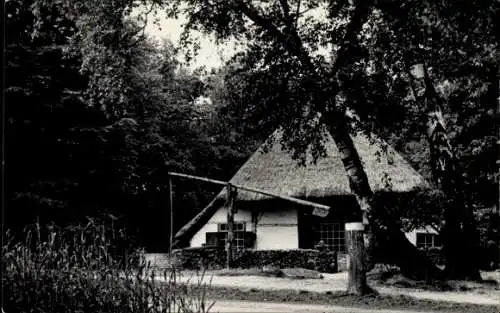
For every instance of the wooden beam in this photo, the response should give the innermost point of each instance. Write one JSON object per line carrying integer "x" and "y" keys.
{"x": 208, "y": 180}
{"x": 319, "y": 209}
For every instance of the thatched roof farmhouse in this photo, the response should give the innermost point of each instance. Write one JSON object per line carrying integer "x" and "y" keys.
{"x": 276, "y": 224}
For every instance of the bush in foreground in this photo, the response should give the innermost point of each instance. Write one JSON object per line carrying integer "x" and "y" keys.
{"x": 78, "y": 270}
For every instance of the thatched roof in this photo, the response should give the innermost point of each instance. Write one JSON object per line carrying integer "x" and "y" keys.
{"x": 275, "y": 171}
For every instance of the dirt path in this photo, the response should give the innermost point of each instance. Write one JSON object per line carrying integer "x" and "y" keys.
{"x": 337, "y": 282}
{"x": 266, "y": 307}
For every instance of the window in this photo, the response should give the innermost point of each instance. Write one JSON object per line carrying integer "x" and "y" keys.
{"x": 237, "y": 226}
{"x": 239, "y": 229}
{"x": 425, "y": 240}
{"x": 333, "y": 236}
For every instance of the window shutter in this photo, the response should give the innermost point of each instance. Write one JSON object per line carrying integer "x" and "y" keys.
{"x": 437, "y": 241}
{"x": 212, "y": 239}
{"x": 249, "y": 239}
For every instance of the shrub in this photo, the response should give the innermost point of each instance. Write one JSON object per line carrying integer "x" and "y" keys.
{"x": 215, "y": 258}
{"x": 75, "y": 270}
{"x": 435, "y": 254}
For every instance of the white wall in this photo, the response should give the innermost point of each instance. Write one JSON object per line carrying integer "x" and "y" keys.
{"x": 412, "y": 235}
{"x": 219, "y": 217}
{"x": 275, "y": 230}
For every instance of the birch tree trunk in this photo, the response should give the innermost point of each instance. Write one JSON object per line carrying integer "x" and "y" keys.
{"x": 461, "y": 238}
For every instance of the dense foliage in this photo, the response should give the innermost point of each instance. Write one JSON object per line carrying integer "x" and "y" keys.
{"x": 94, "y": 123}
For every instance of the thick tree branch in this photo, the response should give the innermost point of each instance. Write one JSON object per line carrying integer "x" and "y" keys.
{"x": 297, "y": 14}
{"x": 252, "y": 13}
{"x": 359, "y": 18}
{"x": 293, "y": 43}
{"x": 290, "y": 41}
{"x": 287, "y": 18}
{"x": 286, "y": 11}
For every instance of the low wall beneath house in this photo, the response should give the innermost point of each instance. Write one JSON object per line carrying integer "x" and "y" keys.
{"x": 158, "y": 260}
{"x": 215, "y": 258}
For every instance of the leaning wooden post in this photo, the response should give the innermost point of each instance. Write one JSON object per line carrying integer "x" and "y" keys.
{"x": 171, "y": 208}
{"x": 231, "y": 197}
{"x": 355, "y": 249}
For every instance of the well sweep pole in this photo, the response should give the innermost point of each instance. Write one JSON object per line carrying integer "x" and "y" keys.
{"x": 171, "y": 207}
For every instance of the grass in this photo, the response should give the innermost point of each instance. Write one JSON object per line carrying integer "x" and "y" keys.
{"x": 384, "y": 276}
{"x": 344, "y": 299}
{"x": 80, "y": 269}
{"x": 390, "y": 276}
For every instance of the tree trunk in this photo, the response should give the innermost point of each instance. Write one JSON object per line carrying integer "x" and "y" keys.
{"x": 391, "y": 243}
{"x": 461, "y": 238}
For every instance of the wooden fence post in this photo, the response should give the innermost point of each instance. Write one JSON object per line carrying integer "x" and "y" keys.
{"x": 355, "y": 248}
{"x": 231, "y": 198}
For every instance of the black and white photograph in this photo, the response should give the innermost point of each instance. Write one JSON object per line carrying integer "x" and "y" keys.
{"x": 234, "y": 156}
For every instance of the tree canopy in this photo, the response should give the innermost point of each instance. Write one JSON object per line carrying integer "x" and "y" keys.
{"x": 97, "y": 113}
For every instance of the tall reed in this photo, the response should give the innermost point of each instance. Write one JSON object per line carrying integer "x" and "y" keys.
{"x": 81, "y": 269}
